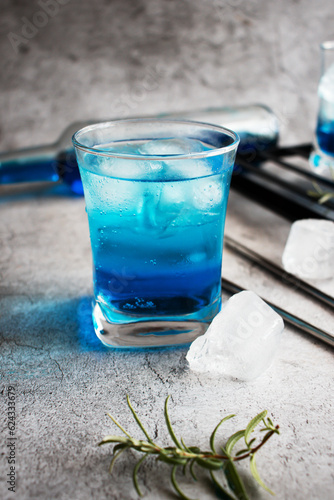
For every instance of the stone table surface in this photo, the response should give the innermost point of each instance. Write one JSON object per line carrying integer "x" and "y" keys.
{"x": 65, "y": 381}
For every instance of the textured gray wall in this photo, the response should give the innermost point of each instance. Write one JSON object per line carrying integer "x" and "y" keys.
{"x": 127, "y": 57}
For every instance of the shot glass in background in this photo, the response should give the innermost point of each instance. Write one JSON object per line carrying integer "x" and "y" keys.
{"x": 322, "y": 158}
{"x": 156, "y": 194}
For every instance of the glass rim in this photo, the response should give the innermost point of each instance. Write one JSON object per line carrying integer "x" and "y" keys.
{"x": 126, "y": 156}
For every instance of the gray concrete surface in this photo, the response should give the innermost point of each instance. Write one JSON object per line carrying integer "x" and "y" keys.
{"x": 121, "y": 57}
{"x": 66, "y": 381}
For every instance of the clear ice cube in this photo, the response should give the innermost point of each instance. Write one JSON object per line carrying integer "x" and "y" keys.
{"x": 165, "y": 205}
{"x": 174, "y": 199}
{"x": 241, "y": 341}
{"x": 176, "y": 191}
{"x": 171, "y": 147}
{"x": 123, "y": 168}
{"x": 309, "y": 250}
{"x": 176, "y": 169}
{"x": 207, "y": 195}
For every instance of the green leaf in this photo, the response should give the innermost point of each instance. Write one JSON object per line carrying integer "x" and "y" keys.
{"x": 113, "y": 439}
{"x": 213, "y": 435}
{"x": 120, "y": 446}
{"x": 210, "y": 463}
{"x": 191, "y": 468}
{"x": 314, "y": 194}
{"x": 176, "y": 486}
{"x": 114, "y": 458}
{"x": 169, "y": 425}
{"x": 234, "y": 481}
{"x": 134, "y": 475}
{"x": 242, "y": 452}
{"x": 251, "y": 442}
{"x": 185, "y": 447}
{"x": 325, "y": 197}
{"x": 317, "y": 187}
{"x": 137, "y": 420}
{"x": 253, "y": 423}
{"x": 232, "y": 441}
{"x": 270, "y": 422}
{"x": 119, "y": 425}
{"x": 171, "y": 460}
{"x": 145, "y": 448}
{"x": 223, "y": 492}
{"x": 256, "y": 475}
{"x": 194, "y": 449}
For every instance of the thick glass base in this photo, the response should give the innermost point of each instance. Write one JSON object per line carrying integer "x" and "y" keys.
{"x": 134, "y": 333}
{"x": 322, "y": 164}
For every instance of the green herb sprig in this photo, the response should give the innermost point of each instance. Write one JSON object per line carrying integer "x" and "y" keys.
{"x": 187, "y": 457}
{"x": 321, "y": 195}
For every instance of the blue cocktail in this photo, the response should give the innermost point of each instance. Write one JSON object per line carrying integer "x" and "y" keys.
{"x": 156, "y": 195}
{"x": 322, "y": 158}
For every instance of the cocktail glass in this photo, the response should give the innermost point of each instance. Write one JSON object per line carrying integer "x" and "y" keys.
{"x": 156, "y": 193}
{"x": 322, "y": 158}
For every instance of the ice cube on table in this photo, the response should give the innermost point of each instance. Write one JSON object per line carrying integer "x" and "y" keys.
{"x": 241, "y": 341}
{"x": 309, "y": 250}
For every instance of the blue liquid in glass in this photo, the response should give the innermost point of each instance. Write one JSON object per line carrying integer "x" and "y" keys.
{"x": 157, "y": 241}
{"x": 325, "y": 136}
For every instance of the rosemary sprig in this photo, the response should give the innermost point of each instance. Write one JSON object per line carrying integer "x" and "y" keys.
{"x": 189, "y": 456}
{"x": 319, "y": 193}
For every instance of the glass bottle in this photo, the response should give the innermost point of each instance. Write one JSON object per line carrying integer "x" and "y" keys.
{"x": 256, "y": 125}
{"x": 322, "y": 158}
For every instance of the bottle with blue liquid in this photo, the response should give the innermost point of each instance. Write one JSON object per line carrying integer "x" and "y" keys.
{"x": 322, "y": 158}
{"x": 256, "y": 125}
